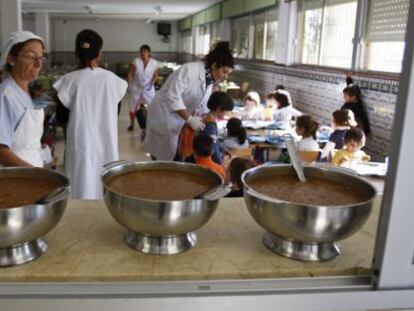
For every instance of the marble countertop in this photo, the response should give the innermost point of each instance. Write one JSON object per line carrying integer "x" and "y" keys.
{"x": 87, "y": 245}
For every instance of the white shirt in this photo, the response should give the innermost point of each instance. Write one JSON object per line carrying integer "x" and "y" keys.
{"x": 308, "y": 144}
{"x": 233, "y": 143}
{"x": 283, "y": 116}
{"x": 92, "y": 96}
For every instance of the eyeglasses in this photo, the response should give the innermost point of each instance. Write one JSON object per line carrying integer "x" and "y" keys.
{"x": 34, "y": 59}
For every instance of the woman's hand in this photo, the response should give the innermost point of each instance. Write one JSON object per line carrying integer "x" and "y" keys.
{"x": 196, "y": 123}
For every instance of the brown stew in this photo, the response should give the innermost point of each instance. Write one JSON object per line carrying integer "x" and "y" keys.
{"x": 165, "y": 185}
{"x": 21, "y": 191}
{"x": 314, "y": 191}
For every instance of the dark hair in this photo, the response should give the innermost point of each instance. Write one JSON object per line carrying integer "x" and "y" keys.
{"x": 17, "y": 48}
{"x": 353, "y": 90}
{"x": 280, "y": 87}
{"x": 87, "y": 46}
{"x": 354, "y": 134}
{"x": 203, "y": 145}
{"x": 235, "y": 129}
{"x": 237, "y": 167}
{"x": 220, "y": 100}
{"x": 221, "y": 55}
{"x": 341, "y": 117}
{"x": 308, "y": 124}
{"x": 145, "y": 47}
{"x": 281, "y": 99}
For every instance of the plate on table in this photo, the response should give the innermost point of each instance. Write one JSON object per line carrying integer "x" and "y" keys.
{"x": 377, "y": 169}
{"x": 256, "y": 139}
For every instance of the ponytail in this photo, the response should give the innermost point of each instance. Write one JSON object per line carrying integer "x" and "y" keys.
{"x": 235, "y": 129}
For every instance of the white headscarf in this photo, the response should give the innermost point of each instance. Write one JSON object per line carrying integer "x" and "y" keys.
{"x": 12, "y": 39}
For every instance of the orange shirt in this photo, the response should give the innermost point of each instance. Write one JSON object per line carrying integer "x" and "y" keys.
{"x": 209, "y": 163}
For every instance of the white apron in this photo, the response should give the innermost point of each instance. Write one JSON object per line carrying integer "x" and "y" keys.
{"x": 92, "y": 97}
{"x": 164, "y": 130}
{"x": 26, "y": 144}
{"x": 141, "y": 89}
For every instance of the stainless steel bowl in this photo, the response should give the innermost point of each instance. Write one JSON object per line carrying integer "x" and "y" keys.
{"x": 22, "y": 228}
{"x": 161, "y": 227}
{"x": 306, "y": 232}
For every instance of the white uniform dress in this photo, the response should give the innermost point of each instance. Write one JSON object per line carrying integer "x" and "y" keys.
{"x": 22, "y": 125}
{"x": 92, "y": 96}
{"x": 184, "y": 89}
{"x": 141, "y": 89}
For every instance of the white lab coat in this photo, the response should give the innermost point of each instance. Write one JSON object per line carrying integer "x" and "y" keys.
{"x": 141, "y": 88}
{"x": 92, "y": 96}
{"x": 184, "y": 89}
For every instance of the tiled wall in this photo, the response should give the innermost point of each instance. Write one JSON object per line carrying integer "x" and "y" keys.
{"x": 320, "y": 93}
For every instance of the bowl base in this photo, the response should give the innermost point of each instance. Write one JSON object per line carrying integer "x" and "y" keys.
{"x": 168, "y": 245}
{"x": 299, "y": 250}
{"x": 20, "y": 254}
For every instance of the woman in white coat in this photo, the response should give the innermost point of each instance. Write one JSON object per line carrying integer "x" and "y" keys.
{"x": 141, "y": 79}
{"x": 183, "y": 99}
{"x": 21, "y": 124}
{"x": 91, "y": 94}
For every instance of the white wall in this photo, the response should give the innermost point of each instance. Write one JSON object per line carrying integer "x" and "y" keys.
{"x": 118, "y": 35}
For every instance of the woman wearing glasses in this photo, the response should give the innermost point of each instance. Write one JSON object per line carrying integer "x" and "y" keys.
{"x": 21, "y": 124}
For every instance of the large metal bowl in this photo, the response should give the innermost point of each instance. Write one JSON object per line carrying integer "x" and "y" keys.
{"x": 161, "y": 227}
{"x": 306, "y": 232}
{"x": 22, "y": 228}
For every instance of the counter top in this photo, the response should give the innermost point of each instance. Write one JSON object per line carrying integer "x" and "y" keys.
{"x": 87, "y": 245}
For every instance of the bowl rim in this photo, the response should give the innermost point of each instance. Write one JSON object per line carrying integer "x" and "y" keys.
{"x": 256, "y": 193}
{"x": 128, "y": 163}
{"x": 67, "y": 184}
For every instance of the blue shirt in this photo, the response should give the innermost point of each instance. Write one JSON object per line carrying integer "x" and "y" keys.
{"x": 13, "y": 104}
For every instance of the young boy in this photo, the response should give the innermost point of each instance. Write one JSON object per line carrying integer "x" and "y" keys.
{"x": 203, "y": 150}
{"x": 354, "y": 140}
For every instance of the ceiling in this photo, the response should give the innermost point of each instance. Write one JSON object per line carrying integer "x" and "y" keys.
{"x": 136, "y": 9}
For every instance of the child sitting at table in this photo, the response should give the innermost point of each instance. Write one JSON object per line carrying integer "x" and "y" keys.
{"x": 218, "y": 104}
{"x": 307, "y": 127}
{"x": 354, "y": 140}
{"x": 342, "y": 121}
{"x": 252, "y": 109}
{"x": 283, "y": 110}
{"x": 236, "y": 135}
{"x": 235, "y": 169}
{"x": 203, "y": 151}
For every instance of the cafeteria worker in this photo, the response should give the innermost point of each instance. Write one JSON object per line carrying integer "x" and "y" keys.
{"x": 183, "y": 99}
{"x": 21, "y": 124}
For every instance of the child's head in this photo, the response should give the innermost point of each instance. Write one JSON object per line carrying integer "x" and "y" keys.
{"x": 280, "y": 87}
{"x": 236, "y": 168}
{"x": 343, "y": 117}
{"x": 235, "y": 129}
{"x": 203, "y": 145}
{"x": 282, "y": 98}
{"x": 252, "y": 99}
{"x": 220, "y": 103}
{"x": 352, "y": 93}
{"x": 306, "y": 126}
{"x": 354, "y": 139}
{"x": 271, "y": 100}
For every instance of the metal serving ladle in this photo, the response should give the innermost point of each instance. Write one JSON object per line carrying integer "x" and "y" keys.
{"x": 297, "y": 164}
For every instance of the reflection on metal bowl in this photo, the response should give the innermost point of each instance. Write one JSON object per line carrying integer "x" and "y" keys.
{"x": 161, "y": 227}
{"x": 306, "y": 232}
{"x": 22, "y": 228}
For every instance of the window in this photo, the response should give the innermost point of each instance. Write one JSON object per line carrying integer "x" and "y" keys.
{"x": 326, "y": 32}
{"x": 384, "y": 38}
{"x": 202, "y": 39}
{"x": 187, "y": 42}
{"x": 265, "y": 35}
{"x": 240, "y": 36}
